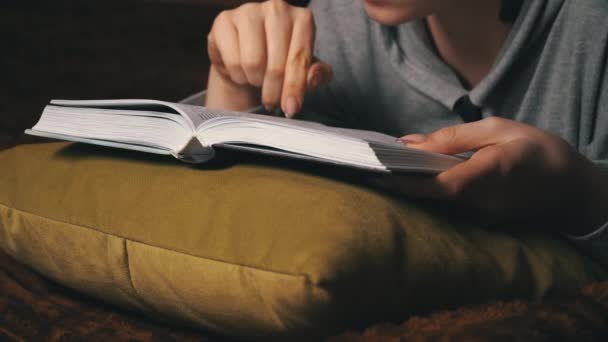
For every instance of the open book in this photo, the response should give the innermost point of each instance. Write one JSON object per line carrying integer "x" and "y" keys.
{"x": 191, "y": 133}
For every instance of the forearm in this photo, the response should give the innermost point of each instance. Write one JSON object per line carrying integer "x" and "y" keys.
{"x": 224, "y": 94}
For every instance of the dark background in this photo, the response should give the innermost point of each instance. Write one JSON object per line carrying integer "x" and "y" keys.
{"x": 95, "y": 49}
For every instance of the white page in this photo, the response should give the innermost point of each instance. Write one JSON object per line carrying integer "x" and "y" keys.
{"x": 365, "y": 148}
{"x": 138, "y": 104}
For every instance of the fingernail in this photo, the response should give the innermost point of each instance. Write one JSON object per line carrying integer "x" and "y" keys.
{"x": 315, "y": 80}
{"x": 291, "y": 106}
{"x": 412, "y": 139}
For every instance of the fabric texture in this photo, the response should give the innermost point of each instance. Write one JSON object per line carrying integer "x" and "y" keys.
{"x": 36, "y": 309}
{"x": 254, "y": 251}
{"x": 551, "y": 73}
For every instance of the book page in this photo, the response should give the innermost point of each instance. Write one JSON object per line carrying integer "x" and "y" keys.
{"x": 198, "y": 116}
{"x": 360, "y": 148}
{"x": 141, "y": 105}
{"x": 254, "y": 132}
{"x": 387, "y": 148}
{"x": 115, "y": 125}
{"x": 203, "y": 115}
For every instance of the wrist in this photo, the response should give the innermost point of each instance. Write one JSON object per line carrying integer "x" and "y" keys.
{"x": 222, "y": 93}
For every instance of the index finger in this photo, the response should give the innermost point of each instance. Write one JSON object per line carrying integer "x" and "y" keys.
{"x": 299, "y": 60}
{"x": 278, "y": 32}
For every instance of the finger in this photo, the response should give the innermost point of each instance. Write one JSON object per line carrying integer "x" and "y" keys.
{"x": 215, "y": 57}
{"x": 252, "y": 44}
{"x": 299, "y": 61}
{"x": 466, "y": 137}
{"x": 319, "y": 74}
{"x": 278, "y": 29}
{"x": 463, "y": 181}
{"x": 227, "y": 41}
{"x": 457, "y": 183}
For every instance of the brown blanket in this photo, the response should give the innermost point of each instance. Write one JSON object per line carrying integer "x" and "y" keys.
{"x": 35, "y": 309}
{"x": 575, "y": 317}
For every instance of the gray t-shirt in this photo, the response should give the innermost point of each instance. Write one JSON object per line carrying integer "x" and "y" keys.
{"x": 551, "y": 73}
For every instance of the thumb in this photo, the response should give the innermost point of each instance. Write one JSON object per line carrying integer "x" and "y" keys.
{"x": 461, "y": 138}
{"x": 319, "y": 74}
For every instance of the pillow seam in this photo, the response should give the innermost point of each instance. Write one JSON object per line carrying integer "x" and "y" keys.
{"x": 306, "y": 276}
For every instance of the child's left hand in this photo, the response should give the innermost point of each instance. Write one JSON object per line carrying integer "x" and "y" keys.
{"x": 517, "y": 172}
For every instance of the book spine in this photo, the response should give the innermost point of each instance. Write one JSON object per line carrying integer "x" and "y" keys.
{"x": 194, "y": 152}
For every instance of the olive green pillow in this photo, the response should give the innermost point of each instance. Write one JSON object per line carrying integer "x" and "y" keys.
{"x": 255, "y": 251}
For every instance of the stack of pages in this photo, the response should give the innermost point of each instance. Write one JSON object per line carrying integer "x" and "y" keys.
{"x": 190, "y": 133}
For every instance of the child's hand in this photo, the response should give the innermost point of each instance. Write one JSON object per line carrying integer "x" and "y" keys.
{"x": 517, "y": 172}
{"x": 264, "y": 46}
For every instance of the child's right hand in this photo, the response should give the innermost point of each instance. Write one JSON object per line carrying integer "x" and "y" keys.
{"x": 264, "y": 46}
